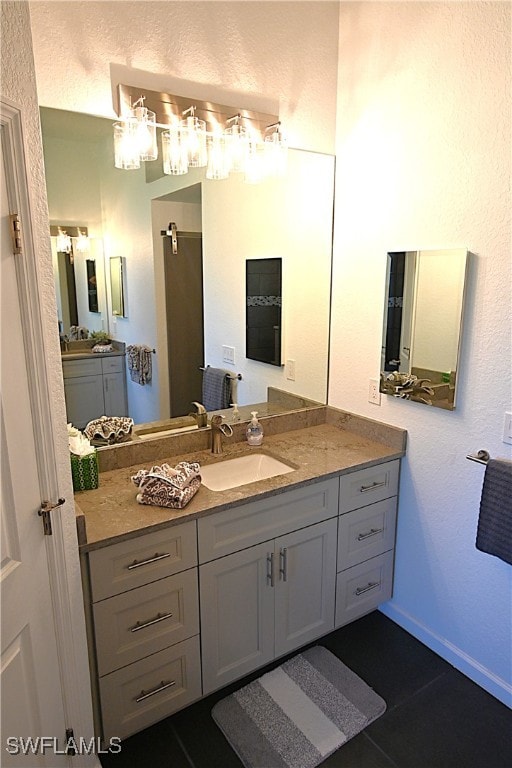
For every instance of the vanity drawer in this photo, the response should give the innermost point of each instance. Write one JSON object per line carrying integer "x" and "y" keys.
{"x": 366, "y": 532}
{"x": 362, "y": 588}
{"x": 149, "y": 690}
{"x": 89, "y": 366}
{"x": 145, "y": 620}
{"x": 134, "y": 562}
{"x": 366, "y": 486}
{"x": 241, "y": 527}
{"x": 112, "y": 364}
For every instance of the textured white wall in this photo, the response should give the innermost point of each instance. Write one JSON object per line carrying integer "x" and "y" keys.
{"x": 279, "y": 57}
{"x": 423, "y": 161}
{"x": 18, "y": 85}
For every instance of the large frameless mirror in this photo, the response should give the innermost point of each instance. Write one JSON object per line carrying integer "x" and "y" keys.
{"x": 422, "y": 325}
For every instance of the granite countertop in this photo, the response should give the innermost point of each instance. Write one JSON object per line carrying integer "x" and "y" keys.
{"x": 111, "y": 512}
{"x": 78, "y": 350}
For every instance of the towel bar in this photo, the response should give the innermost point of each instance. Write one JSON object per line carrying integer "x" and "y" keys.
{"x": 481, "y": 457}
{"x": 231, "y": 375}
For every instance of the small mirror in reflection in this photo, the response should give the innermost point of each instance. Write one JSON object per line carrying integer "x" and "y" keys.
{"x": 422, "y": 325}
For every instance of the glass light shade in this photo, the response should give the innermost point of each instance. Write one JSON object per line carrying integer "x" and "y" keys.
{"x": 146, "y": 133}
{"x": 82, "y": 243}
{"x": 237, "y": 144}
{"x": 63, "y": 243}
{"x": 126, "y": 152}
{"x": 217, "y": 167}
{"x": 255, "y": 165}
{"x": 174, "y": 152}
{"x": 196, "y": 141}
{"x": 276, "y": 154}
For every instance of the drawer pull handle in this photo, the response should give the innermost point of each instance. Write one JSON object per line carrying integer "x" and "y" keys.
{"x": 371, "y": 532}
{"x": 270, "y": 569}
{"x": 372, "y": 487}
{"x": 370, "y": 585}
{"x": 283, "y": 569}
{"x": 162, "y": 687}
{"x": 137, "y": 564}
{"x": 159, "y": 617}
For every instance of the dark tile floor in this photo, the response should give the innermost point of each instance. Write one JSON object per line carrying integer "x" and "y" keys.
{"x": 435, "y": 717}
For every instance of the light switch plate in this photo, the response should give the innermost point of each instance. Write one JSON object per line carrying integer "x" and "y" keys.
{"x": 290, "y": 370}
{"x": 507, "y": 427}
{"x": 228, "y": 355}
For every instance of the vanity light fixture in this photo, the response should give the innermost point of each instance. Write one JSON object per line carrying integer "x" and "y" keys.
{"x": 70, "y": 239}
{"x": 251, "y": 143}
{"x": 135, "y": 137}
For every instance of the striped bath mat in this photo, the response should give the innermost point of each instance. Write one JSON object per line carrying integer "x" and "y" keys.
{"x": 299, "y": 713}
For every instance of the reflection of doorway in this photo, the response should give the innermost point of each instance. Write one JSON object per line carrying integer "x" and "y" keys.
{"x": 184, "y": 310}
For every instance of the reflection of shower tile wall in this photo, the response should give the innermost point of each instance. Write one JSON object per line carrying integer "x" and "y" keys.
{"x": 263, "y": 300}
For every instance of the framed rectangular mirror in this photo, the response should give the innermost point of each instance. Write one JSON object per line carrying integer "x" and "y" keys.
{"x": 422, "y": 325}
{"x": 263, "y": 310}
{"x": 116, "y": 286}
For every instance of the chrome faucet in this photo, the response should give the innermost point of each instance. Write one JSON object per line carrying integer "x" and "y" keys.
{"x": 219, "y": 429}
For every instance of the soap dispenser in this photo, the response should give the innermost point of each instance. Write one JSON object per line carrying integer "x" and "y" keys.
{"x": 254, "y": 430}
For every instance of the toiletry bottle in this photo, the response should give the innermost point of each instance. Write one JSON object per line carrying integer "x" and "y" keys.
{"x": 254, "y": 430}
{"x": 235, "y": 416}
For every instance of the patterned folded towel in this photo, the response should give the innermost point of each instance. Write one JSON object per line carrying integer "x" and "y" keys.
{"x": 165, "y": 486}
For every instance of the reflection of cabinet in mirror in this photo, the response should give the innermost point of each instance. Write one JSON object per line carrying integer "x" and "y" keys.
{"x": 94, "y": 387}
{"x": 422, "y": 325}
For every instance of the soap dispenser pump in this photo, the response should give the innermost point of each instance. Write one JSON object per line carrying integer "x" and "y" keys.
{"x": 254, "y": 430}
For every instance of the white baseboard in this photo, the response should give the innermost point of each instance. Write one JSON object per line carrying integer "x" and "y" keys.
{"x": 480, "y": 675}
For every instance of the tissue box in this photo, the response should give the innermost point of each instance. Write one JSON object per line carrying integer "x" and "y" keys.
{"x": 84, "y": 470}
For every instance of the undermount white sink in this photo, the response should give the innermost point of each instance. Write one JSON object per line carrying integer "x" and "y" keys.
{"x": 231, "y": 473}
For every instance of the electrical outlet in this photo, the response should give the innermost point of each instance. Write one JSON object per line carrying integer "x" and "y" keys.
{"x": 290, "y": 370}
{"x": 228, "y": 355}
{"x": 373, "y": 392}
{"x": 507, "y": 427}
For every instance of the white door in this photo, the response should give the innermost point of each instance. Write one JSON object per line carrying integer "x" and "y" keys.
{"x": 31, "y": 693}
{"x": 305, "y": 585}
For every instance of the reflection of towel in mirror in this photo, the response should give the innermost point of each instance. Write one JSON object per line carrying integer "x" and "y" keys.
{"x": 139, "y": 363}
{"x": 166, "y": 486}
{"x": 494, "y": 534}
{"x": 216, "y": 389}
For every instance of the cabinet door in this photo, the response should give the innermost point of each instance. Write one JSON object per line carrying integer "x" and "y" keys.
{"x": 114, "y": 394}
{"x": 84, "y": 399}
{"x": 237, "y": 615}
{"x": 305, "y": 585}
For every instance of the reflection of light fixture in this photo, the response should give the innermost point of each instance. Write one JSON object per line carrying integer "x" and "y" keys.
{"x": 275, "y": 150}
{"x": 252, "y": 143}
{"x": 63, "y": 241}
{"x": 237, "y": 144}
{"x": 135, "y": 137}
{"x": 82, "y": 242}
{"x": 218, "y": 164}
{"x": 195, "y": 136}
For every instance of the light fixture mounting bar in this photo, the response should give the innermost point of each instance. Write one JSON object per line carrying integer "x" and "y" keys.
{"x": 169, "y": 109}
{"x": 71, "y": 231}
